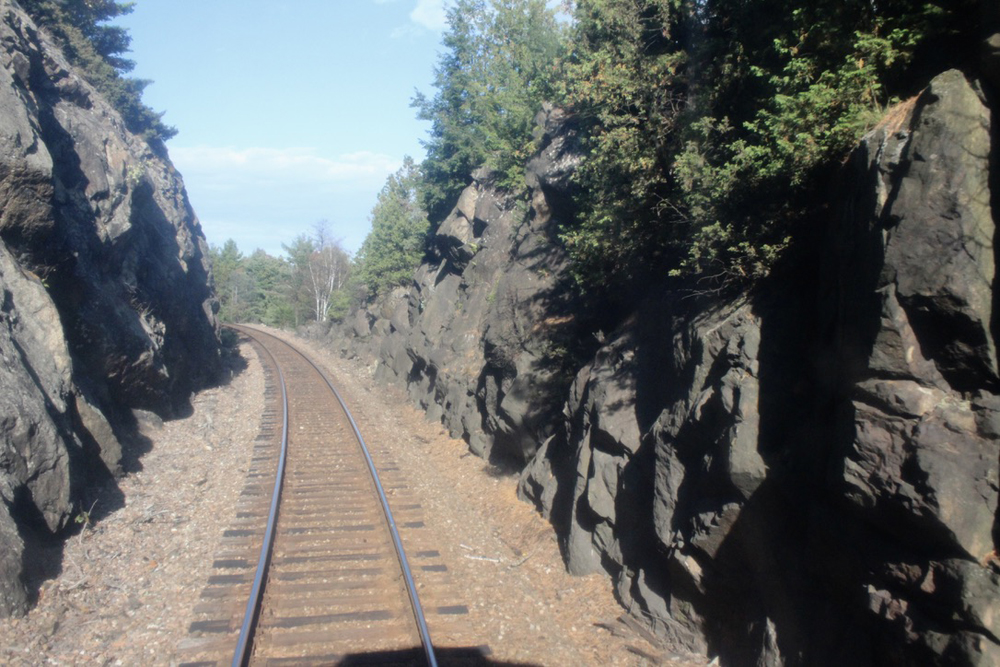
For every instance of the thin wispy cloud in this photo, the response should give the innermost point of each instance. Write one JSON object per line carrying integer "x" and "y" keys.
{"x": 303, "y": 164}
{"x": 406, "y": 31}
{"x": 430, "y": 14}
{"x": 267, "y": 196}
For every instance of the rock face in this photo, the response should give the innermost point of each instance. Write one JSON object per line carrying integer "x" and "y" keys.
{"x": 107, "y": 304}
{"x": 807, "y": 475}
{"x": 479, "y": 339}
{"x": 819, "y": 461}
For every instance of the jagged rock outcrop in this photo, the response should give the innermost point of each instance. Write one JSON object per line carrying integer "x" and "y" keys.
{"x": 479, "y": 339}
{"x": 806, "y": 475}
{"x": 107, "y": 304}
{"x": 36, "y": 384}
{"x": 819, "y": 461}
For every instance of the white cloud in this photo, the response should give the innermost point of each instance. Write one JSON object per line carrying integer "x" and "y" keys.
{"x": 430, "y": 14}
{"x": 263, "y": 197}
{"x": 407, "y": 31}
{"x": 426, "y": 15}
{"x": 239, "y": 165}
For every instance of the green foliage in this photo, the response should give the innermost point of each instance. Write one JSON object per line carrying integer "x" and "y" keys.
{"x": 97, "y": 49}
{"x": 498, "y": 68}
{"x": 708, "y": 126}
{"x": 230, "y": 341}
{"x": 268, "y": 299}
{"x": 300, "y": 299}
{"x": 340, "y": 305}
{"x": 252, "y": 289}
{"x": 626, "y": 83}
{"x": 226, "y": 264}
{"x": 395, "y": 245}
{"x": 320, "y": 273}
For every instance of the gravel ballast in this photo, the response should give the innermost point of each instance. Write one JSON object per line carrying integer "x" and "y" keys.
{"x": 128, "y": 582}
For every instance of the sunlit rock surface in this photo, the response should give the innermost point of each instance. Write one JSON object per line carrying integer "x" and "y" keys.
{"x": 479, "y": 338}
{"x": 107, "y": 305}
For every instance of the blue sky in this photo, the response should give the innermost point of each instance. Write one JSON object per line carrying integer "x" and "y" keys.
{"x": 289, "y": 112}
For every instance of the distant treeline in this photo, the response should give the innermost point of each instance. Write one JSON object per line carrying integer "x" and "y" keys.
{"x": 318, "y": 280}
{"x": 311, "y": 284}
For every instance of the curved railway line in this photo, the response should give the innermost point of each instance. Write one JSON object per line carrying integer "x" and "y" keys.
{"x": 312, "y": 569}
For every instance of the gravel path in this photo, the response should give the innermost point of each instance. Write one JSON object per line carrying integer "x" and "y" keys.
{"x": 130, "y": 580}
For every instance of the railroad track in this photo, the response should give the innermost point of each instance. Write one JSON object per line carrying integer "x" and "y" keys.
{"x": 312, "y": 569}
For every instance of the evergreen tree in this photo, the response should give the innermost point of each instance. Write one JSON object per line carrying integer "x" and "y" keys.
{"x": 626, "y": 82}
{"x": 225, "y": 263}
{"x": 708, "y": 126}
{"x": 251, "y": 289}
{"x": 395, "y": 245}
{"x": 269, "y": 281}
{"x": 497, "y": 70}
{"x": 80, "y": 26}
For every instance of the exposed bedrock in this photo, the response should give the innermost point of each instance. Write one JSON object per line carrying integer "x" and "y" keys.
{"x": 107, "y": 304}
{"x": 480, "y": 338}
{"x": 807, "y": 475}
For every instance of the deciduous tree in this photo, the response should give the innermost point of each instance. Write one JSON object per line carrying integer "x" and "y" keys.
{"x": 329, "y": 267}
{"x": 299, "y": 253}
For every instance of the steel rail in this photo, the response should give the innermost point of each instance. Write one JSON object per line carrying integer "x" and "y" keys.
{"x": 411, "y": 588}
{"x": 241, "y": 656}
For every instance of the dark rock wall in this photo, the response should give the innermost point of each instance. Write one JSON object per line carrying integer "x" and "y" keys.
{"x": 805, "y": 475}
{"x": 107, "y": 303}
{"x": 820, "y": 483}
{"x": 480, "y": 339}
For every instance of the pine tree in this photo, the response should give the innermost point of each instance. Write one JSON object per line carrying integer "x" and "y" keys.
{"x": 80, "y": 26}
{"x": 498, "y": 68}
{"x": 395, "y": 245}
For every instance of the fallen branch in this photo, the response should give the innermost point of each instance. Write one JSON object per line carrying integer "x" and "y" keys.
{"x": 491, "y": 560}
{"x": 522, "y": 561}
